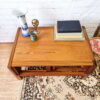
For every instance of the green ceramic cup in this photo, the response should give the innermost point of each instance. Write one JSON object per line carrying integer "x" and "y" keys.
{"x": 33, "y": 36}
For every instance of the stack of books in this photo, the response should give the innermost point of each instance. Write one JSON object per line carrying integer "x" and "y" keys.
{"x": 68, "y": 30}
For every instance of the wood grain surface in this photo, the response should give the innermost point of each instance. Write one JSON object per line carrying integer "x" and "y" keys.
{"x": 48, "y": 52}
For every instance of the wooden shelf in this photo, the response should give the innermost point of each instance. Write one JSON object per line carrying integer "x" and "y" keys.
{"x": 51, "y": 73}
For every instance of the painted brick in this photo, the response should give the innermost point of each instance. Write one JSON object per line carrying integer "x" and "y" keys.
{"x": 48, "y": 12}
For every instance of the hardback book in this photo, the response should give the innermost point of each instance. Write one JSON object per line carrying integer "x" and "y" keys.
{"x": 67, "y": 37}
{"x": 69, "y": 33}
{"x": 68, "y": 26}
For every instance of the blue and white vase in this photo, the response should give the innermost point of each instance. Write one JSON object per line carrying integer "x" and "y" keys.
{"x": 23, "y": 23}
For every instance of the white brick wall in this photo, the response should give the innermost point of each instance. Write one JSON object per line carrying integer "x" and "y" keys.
{"x": 48, "y": 12}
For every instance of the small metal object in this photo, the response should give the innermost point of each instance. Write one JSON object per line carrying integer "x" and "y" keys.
{"x": 34, "y": 33}
{"x": 35, "y": 24}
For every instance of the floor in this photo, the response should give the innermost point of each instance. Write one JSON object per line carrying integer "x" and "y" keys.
{"x": 10, "y": 87}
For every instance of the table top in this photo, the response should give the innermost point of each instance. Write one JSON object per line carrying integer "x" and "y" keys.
{"x": 48, "y": 52}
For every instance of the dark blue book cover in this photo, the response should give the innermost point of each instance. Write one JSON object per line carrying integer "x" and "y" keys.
{"x": 68, "y": 26}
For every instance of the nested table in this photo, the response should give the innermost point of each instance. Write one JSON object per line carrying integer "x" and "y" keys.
{"x": 58, "y": 57}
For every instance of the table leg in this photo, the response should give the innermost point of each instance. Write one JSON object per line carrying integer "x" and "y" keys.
{"x": 15, "y": 72}
{"x": 90, "y": 69}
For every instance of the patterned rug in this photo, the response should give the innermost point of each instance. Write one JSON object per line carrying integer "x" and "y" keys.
{"x": 62, "y": 87}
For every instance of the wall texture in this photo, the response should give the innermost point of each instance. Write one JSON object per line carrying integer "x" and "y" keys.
{"x": 48, "y": 12}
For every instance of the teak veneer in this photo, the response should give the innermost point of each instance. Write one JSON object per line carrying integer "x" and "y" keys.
{"x": 58, "y": 57}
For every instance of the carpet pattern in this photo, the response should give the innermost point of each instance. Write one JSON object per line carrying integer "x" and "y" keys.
{"x": 62, "y": 87}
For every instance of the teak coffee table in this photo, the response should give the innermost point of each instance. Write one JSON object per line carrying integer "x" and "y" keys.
{"x": 57, "y": 57}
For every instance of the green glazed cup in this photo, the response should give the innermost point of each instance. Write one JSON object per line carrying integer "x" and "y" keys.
{"x": 33, "y": 36}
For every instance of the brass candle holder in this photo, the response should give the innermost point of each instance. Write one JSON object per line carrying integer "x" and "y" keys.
{"x": 34, "y": 33}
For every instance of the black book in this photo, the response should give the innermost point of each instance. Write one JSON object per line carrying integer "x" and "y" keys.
{"x": 68, "y": 26}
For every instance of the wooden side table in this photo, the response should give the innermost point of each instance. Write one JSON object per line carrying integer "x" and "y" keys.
{"x": 58, "y": 57}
